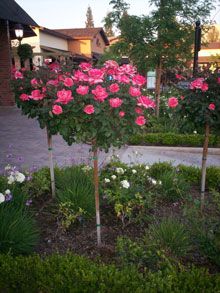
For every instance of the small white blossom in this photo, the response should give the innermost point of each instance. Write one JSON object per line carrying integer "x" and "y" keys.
{"x": 133, "y": 171}
{"x": 125, "y": 184}
{"x": 120, "y": 171}
{"x": 113, "y": 177}
{"x": 19, "y": 177}
{"x": 11, "y": 179}
{"x": 86, "y": 168}
{"x": 8, "y": 167}
{"x": 7, "y": 191}
{"x": 154, "y": 182}
{"x": 2, "y": 197}
{"x": 147, "y": 167}
{"x": 195, "y": 132}
{"x": 159, "y": 182}
{"x": 107, "y": 180}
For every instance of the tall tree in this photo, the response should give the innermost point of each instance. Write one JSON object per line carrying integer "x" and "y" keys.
{"x": 89, "y": 18}
{"x": 164, "y": 38}
{"x": 108, "y": 25}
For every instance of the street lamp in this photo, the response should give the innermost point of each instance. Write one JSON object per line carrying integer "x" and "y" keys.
{"x": 197, "y": 47}
{"x": 19, "y": 32}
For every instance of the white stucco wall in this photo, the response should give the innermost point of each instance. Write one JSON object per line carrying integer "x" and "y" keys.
{"x": 52, "y": 41}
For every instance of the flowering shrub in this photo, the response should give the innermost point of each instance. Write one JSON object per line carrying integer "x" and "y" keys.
{"x": 200, "y": 103}
{"x": 88, "y": 104}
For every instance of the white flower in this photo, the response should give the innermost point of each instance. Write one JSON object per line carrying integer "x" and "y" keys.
{"x": 107, "y": 180}
{"x": 147, "y": 167}
{"x": 113, "y": 177}
{"x": 154, "y": 182}
{"x": 125, "y": 184}
{"x": 11, "y": 179}
{"x": 86, "y": 168}
{"x": 2, "y": 197}
{"x": 120, "y": 171}
{"x": 195, "y": 132}
{"x": 8, "y": 167}
{"x": 159, "y": 182}
{"x": 133, "y": 171}
{"x": 7, "y": 191}
{"x": 19, "y": 177}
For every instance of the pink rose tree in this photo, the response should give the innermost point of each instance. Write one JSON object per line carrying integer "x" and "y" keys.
{"x": 99, "y": 106}
{"x": 200, "y": 105}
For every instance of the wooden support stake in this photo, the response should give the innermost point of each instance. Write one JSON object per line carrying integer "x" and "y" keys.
{"x": 50, "y": 151}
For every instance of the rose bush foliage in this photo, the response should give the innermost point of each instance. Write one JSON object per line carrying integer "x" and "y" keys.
{"x": 200, "y": 103}
{"x": 103, "y": 106}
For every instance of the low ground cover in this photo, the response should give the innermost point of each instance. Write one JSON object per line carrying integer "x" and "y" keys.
{"x": 152, "y": 230}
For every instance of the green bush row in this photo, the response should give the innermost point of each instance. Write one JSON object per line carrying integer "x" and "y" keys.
{"x": 172, "y": 139}
{"x": 71, "y": 273}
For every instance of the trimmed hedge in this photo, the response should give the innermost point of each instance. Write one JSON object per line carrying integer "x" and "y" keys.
{"x": 172, "y": 139}
{"x": 71, "y": 273}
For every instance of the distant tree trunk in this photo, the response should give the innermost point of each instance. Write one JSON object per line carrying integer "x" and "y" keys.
{"x": 204, "y": 159}
{"x": 96, "y": 184}
{"x": 157, "y": 88}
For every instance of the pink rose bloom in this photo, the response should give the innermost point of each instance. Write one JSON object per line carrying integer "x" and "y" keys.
{"x": 53, "y": 82}
{"x": 114, "y": 88}
{"x": 18, "y": 75}
{"x": 121, "y": 114}
{"x": 212, "y": 106}
{"x": 173, "y": 102}
{"x": 55, "y": 66}
{"x": 179, "y": 76}
{"x": 122, "y": 78}
{"x": 85, "y": 66}
{"x": 96, "y": 74}
{"x": 80, "y": 76}
{"x": 197, "y": 83}
{"x": 115, "y": 102}
{"x": 140, "y": 120}
{"x": 82, "y": 90}
{"x": 44, "y": 89}
{"x": 111, "y": 64}
{"x": 218, "y": 80}
{"x": 89, "y": 109}
{"x": 68, "y": 81}
{"x": 57, "y": 110}
{"x": 100, "y": 93}
{"x": 64, "y": 96}
{"x": 127, "y": 69}
{"x": 182, "y": 97}
{"x": 34, "y": 82}
{"x": 36, "y": 95}
{"x": 145, "y": 102}
{"x": 138, "y": 80}
{"x": 138, "y": 110}
{"x": 24, "y": 97}
{"x": 204, "y": 87}
{"x": 134, "y": 91}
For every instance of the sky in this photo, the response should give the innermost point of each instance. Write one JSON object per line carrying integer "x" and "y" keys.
{"x": 55, "y": 14}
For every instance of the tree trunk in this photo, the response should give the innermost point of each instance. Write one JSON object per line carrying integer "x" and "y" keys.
{"x": 204, "y": 158}
{"x": 96, "y": 184}
{"x": 157, "y": 88}
{"x": 52, "y": 177}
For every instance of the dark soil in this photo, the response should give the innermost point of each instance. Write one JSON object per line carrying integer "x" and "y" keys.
{"x": 81, "y": 237}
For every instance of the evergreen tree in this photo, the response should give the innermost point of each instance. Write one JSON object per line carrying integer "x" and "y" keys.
{"x": 89, "y": 18}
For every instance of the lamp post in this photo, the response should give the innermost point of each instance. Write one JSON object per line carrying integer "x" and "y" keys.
{"x": 19, "y": 32}
{"x": 197, "y": 47}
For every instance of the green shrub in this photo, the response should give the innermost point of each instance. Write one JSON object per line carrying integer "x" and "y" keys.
{"x": 171, "y": 236}
{"x": 213, "y": 177}
{"x": 190, "y": 173}
{"x": 75, "y": 186}
{"x": 39, "y": 184}
{"x": 173, "y": 139}
{"x": 70, "y": 273}
{"x": 173, "y": 186}
{"x": 158, "y": 169}
{"x": 18, "y": 231}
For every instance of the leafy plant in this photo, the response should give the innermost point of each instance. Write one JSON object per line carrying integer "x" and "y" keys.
{"x": 68, "y": 214}
{"x": 171, "y": 236}
{"x": 158, "y": 169}
{"x": 173, "y": 186}
{"x": 24, "y": 51}
{"x": 76, "y": 187}
{"x": 18, "y": 231}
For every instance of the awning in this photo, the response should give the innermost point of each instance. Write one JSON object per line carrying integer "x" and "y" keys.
{"x": 53, "y": 51}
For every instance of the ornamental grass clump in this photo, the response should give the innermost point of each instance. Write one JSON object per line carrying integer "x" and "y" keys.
{"x": 102, "y": 107}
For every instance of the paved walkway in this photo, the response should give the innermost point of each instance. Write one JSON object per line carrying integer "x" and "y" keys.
{"x": 23, "y": 142}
